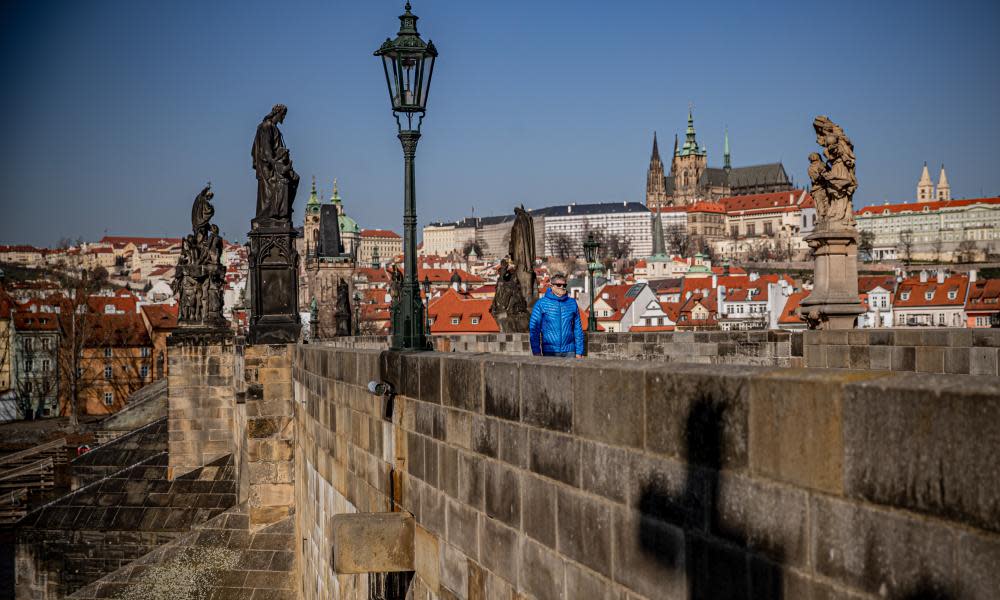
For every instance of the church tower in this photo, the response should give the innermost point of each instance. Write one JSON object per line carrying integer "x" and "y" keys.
{"x": 925, "y": 187}
{"x": 656, "y": 188}
{"x": 943, "y": 189}
{"x": 311, "y": 225}
{"x": 688, "y": 164}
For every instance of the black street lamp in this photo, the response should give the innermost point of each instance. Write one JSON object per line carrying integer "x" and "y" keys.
{"x": 590, "y": 247}
{"x": 408, "y": 63}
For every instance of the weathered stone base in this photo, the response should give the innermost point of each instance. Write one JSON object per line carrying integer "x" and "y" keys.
{"x": 201, "y": 401}
{"x": 833, "y": 303}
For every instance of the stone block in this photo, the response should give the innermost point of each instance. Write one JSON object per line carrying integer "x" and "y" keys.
{"x": 904, "y": 358}
{"x": 584, "y": 583}
{"x": 502, "y": 392}
{"x": 978, "y": 558}
{"x": 649, "y": 555}
{"x": 584, "y": 530}
{"x": 448, "y": 472}
{"x": 547, "y": 395}
{"x": 815, "y": 356}
{"x": 670, "y": 491}
{"x": 859, "y": 357}
{"x": 454, "y": 572}
{"x": 503, "y": 493}
{"x": 470, "y": 480}
{"x": 484, "y": 436}
{"x": 463, "y": 528}
{"x": 796, "y": 429}
{"x": 556, "y": 456}
{"x": 608, "y": 403}
{"x": 838, "y": 357}
{"x": 513, "y": 441}
{"x": 930, "y": 359}
{"x": 925, "y": 443}
{"x": 699, "y": 414}
{"x": 542, "y": 572}
{"x": 881, "y": 358}
{"x": 430, "y": 379}
{"x": 989, "y": 338}
{"x": 431, "y": 462}
{"x": 539, "y": 510}
{"x": 462, "y": 385}
{"x": 499, "y": 548}
{"x": 876, "y": 551}
{"x": 956, "y": 360}
{"x": 606, "y": 471}
{"x": 983, "y": 361}
{"x": 426, "y": 558}
{"x": 763, "y": 518}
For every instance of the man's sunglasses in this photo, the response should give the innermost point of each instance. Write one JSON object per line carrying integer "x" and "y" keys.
{"x": 559, "y": 285}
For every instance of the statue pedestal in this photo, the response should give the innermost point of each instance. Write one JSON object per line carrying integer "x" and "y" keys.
{"x": 274, "y": 288}
{"x": 834, "y": 302}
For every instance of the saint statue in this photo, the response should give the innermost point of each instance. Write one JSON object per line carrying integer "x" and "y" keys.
{"x": 522, "y": 254}
{"x": 832, "y": 175}
{"x": 199, "y": 276}
{"x": 277, "y": 181}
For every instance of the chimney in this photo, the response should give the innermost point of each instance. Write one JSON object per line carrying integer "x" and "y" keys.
{"x": 940, "y": 276}
{"x": 972, "y": 276}
{"x": 569, "y": 209}
{"x": 715, "y": 280}
{"x": 754, "y": 276}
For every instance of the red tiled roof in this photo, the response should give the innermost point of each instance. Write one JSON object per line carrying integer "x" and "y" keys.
{"x": 916, "y": 292}
{"x": 775, "y": 201}
{"x": 788, "y": 315}
{"x": 30, "y": 321}
{"x": 451, "y": 304}
{"x": 126, "y": 302}
{"x": 379, "y": 233}
{"x": 121, "y": 241}
{"x": 22, "y": 248}
{"x": 984, "y": 295}
{"x": 875, "y": 210}
{"x": 116, "y": 331}
{"x": 732, "y": 270}
{"x": 867, "y": 283}
{"x": 707, "y": 207}
{"x": 161, "y": 316}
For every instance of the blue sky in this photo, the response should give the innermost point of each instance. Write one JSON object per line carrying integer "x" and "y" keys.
{"x": 117, "y": 111}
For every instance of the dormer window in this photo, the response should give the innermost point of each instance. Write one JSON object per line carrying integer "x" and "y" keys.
{"x": 455, "y": 320}
{"x": 475, "y": 320}
{"x": 928, "y": 295}
{"x": 905, "y": 295}
{"x": 952, "y": 294}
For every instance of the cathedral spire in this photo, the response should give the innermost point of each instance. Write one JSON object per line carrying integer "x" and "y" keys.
{"x": 656, "y": 191}
{"x": 727, "y": 164}
{"x": 656, "y": 150}
{"x": 659, "y": 245}
{"x": 690, "y": 146}
{"x": 313, "y": 198}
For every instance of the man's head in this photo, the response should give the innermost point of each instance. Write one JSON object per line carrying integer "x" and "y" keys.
{"x": 278, "y": 113}
{"x": 558, "y": 284}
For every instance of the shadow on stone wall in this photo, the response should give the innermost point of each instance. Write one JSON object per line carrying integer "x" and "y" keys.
{"x": 714, "y": 568}
{"x": 719, "y": 561}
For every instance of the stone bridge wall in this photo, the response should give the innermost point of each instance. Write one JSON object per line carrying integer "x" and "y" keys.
{"x": 930, "y": 350}
{"x": 558, "y": 479}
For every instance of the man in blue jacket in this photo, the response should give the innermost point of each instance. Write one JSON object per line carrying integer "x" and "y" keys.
{"x": 555, "y": 322}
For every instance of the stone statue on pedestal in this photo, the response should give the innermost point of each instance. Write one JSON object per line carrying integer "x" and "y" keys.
{"x": 834, "y": 301}
{"x": 342, "y": 318}
{"x": 199, "y": 276}
{"x": 516, "y": 280}
{"x": 274, "y": 262}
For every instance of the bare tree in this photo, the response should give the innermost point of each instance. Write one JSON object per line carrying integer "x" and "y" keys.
{"x": 966, "y": 251}
{"x": 563, "y": 247}
{"x": 678, "y": 240}
{"x": 76, "y": 325}
{"x": 936, "y": 246}
{"x": 866, "y": 245}
{"x": 471, "y": 245}
{"x": 906, "y": 246}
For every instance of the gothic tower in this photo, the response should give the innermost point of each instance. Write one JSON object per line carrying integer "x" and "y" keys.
{"x": 311, "y": 225}
{"x": 925, "y": 187}
{"x": 687, "y": 166}
{"x": 656, "y": 188}
{"x": 943, "y": 189}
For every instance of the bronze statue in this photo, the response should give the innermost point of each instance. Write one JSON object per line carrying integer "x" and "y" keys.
{"x": 509, "y": 308}
{"x": 277, "y": 181}
{"x": 342, "y": 318}
{"x": 833, "y": 178}
{"x": 522, "y": 254}
{"x": 200, "y": 276}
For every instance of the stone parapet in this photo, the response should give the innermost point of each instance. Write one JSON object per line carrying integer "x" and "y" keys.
{"x": 201, "y": 402}
{"x": 558, "y": 479}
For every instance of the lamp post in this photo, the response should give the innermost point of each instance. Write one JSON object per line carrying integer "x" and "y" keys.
{"x": 408, "y": 63}
{"x": 590, "y": 247}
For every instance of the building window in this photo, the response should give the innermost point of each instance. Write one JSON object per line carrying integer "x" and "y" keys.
{"x": 940, "y": 318}
{"x": 144, "y": 352}
{"x": 45, "y": 344}
{"x": 107, "y": 372}
{"x": 107, "y": 352}
{"x": 952, "y": 295}
{"x": 751, "y": 229}
{"x": 454, "y": 320}
{"x": 928, "y": 295}
{"x": 905, "y": 295}
{"x": 109, "y": 398}
{"x": 768, "y": 228}
{"x": 144, "y": 372}
{"x": 475, "y": 320}
{"x": 45, "y": 366}
{"x": 28, "y": 365}
{"x": 29, "y": 345}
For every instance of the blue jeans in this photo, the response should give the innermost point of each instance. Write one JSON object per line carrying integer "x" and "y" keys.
{"x": 560, "y": 354}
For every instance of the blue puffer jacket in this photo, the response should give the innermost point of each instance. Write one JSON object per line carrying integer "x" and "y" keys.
{"x": 557, "y": 321}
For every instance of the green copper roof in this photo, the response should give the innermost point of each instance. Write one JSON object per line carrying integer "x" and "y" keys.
{"x": 691, "y": 146}
{"x": 312, "y": 205}
{"x": 335, "y": 198}
{"x": 348, "y": 225}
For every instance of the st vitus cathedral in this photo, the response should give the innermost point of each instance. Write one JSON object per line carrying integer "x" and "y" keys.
{"x": 691, "y": 179}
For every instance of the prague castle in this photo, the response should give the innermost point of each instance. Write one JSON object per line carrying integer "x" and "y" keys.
{"x": 691, "y": 179}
